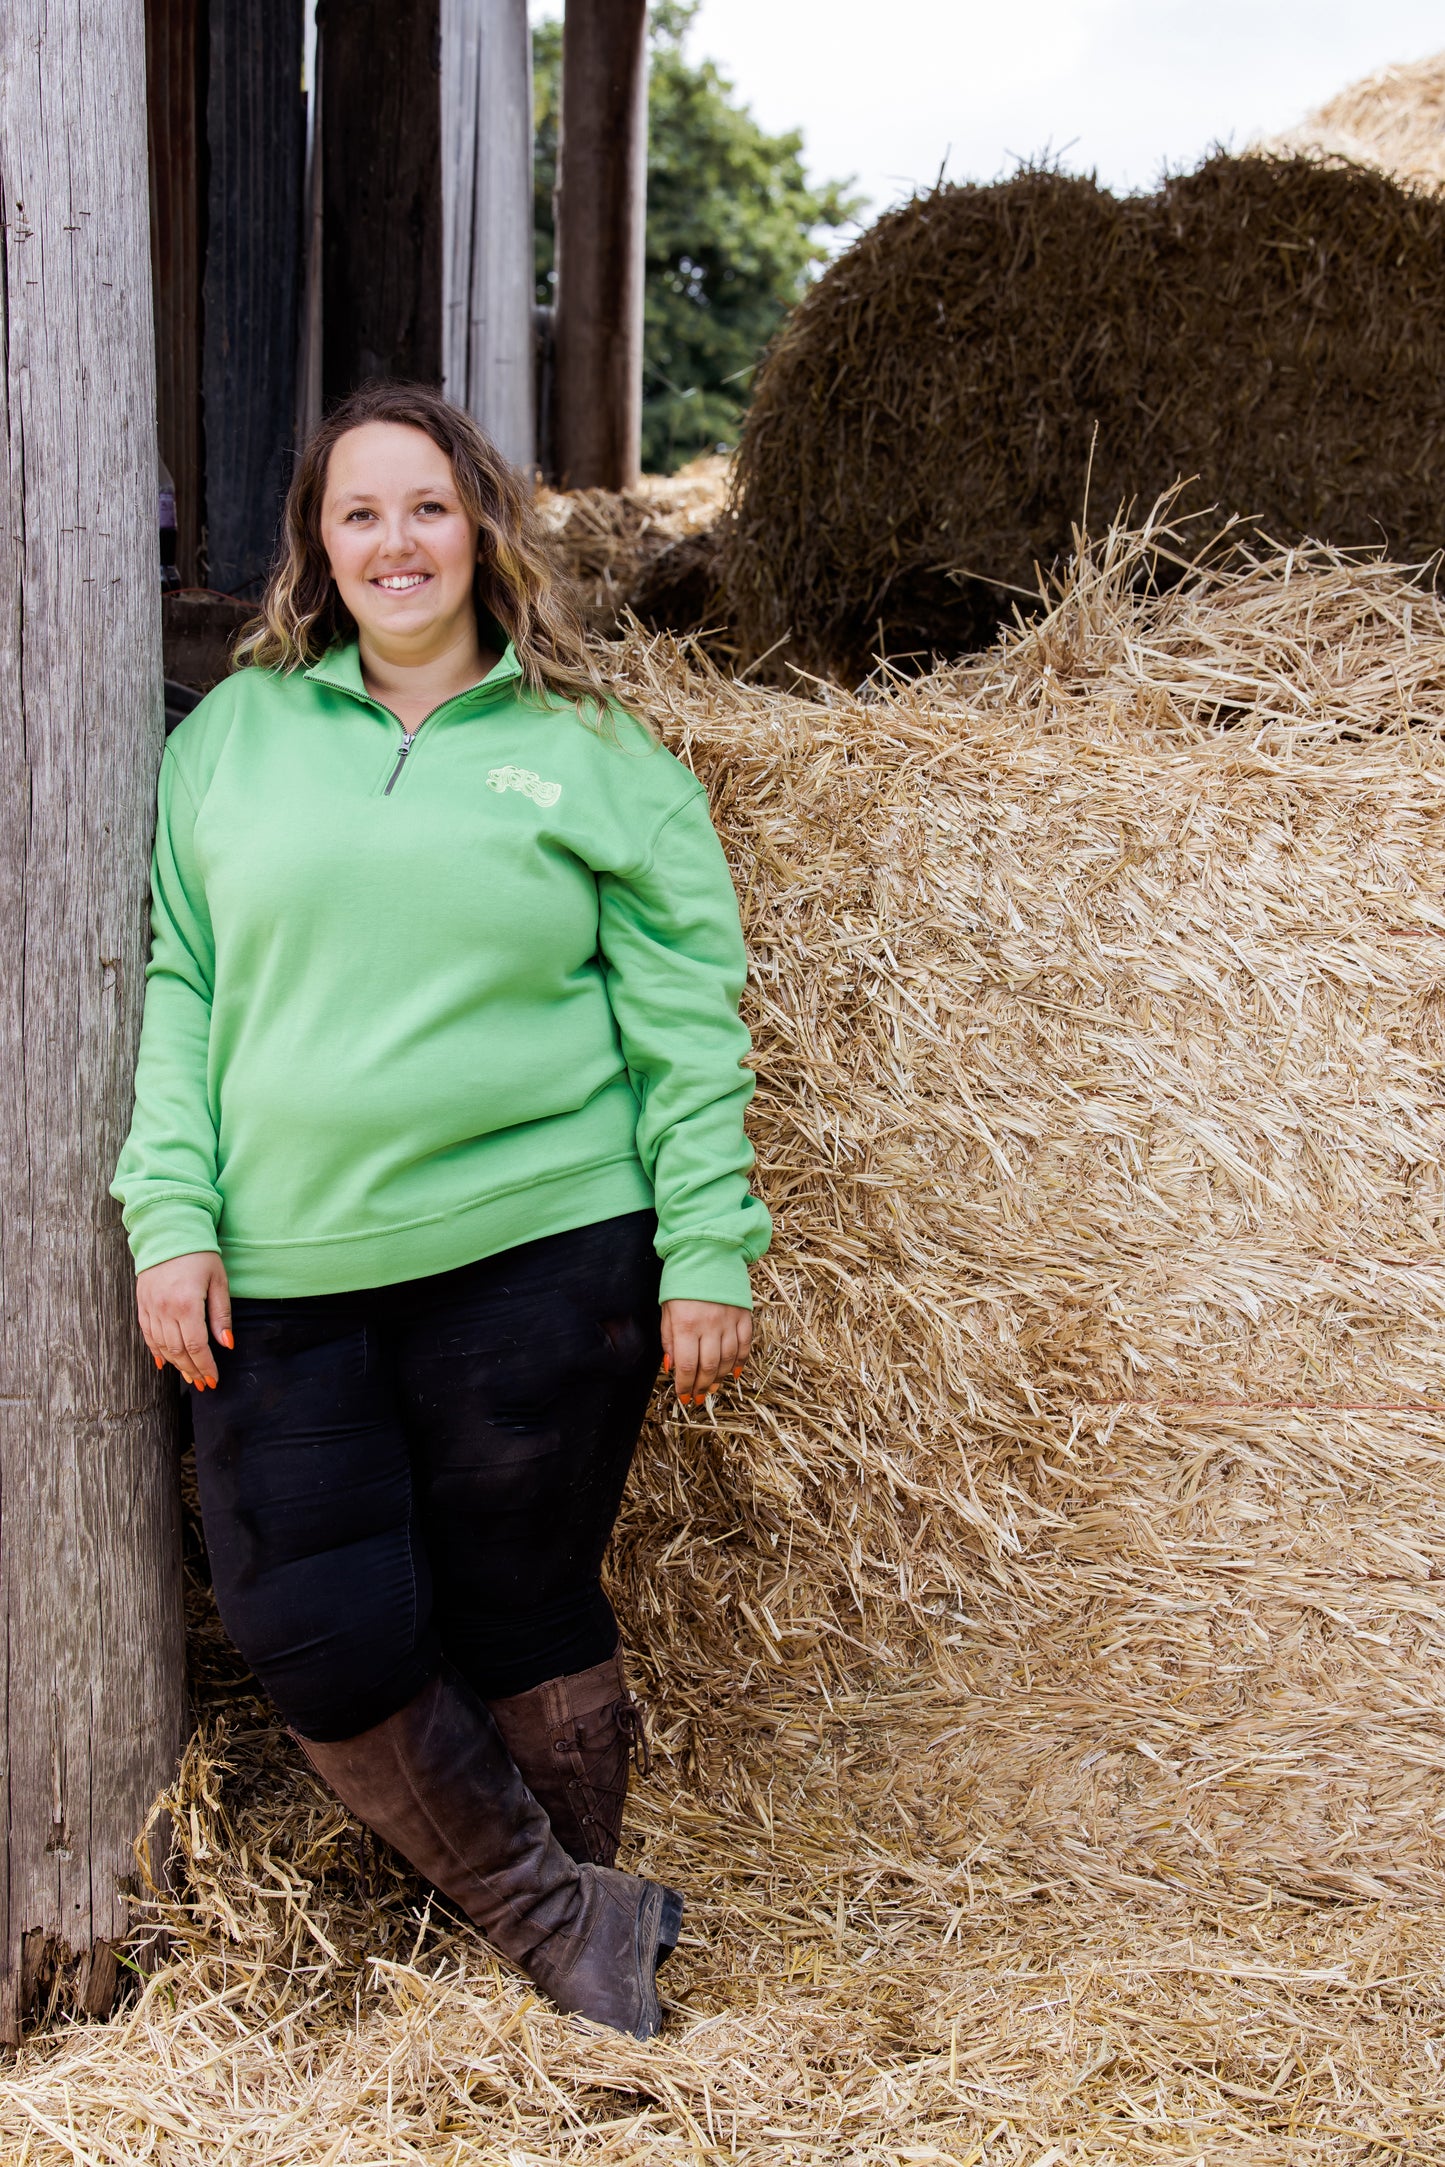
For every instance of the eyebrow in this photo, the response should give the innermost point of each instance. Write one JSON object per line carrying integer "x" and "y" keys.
{"x": 423, "y": 489}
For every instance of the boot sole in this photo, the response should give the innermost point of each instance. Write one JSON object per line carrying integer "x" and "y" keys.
{"x": 659, "y": 1922}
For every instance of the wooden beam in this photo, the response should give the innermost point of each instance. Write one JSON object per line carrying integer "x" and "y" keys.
{"x": 91, "y": 1676}
{"x": 309, "y": 355}
{"x": 601, "y": 237}
{"x": 489, "y": 275}
{"x": 256, "y": 137}
{"x": 380, "y": 73}
{"x": 175, "y": 110}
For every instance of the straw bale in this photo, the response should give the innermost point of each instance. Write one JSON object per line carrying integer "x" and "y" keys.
{"x": 1044, "y": 1647}
{"x": 648, "y": 549}
{"x": 1394, "y": 120}
{"x": 986, "y": 361}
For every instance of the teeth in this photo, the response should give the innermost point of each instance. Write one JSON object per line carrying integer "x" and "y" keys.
{"x": 397, "y": 582}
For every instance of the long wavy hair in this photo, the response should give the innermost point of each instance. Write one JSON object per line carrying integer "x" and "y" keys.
{"x": 302, "y": 614}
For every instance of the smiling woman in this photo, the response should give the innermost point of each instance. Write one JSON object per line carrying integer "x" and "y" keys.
{"x": 403, "y": 554}
{"x": 439, "y": 1130}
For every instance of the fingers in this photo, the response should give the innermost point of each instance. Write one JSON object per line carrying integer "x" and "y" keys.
{"x": 185, "y": 1344}
{"x": 684, "y": 1362}
{"x": 198, "y": 1353}
{"x": 218, "y": 1304}
{"x": 709, "y": 1362}
{"x": 704, "y": 1344}
{"x": 696, "y": 1363}
{"x": 172, "y": 1303}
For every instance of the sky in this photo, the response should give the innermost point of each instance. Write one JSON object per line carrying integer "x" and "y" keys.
{"x": 896, "y": 93}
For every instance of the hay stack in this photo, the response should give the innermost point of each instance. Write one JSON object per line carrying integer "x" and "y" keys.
{"x": 650, "y": 549}
{"x": 1046, "y": 1647}
{"x": 920, "y": 437}
{"x": 1394, "y": 120}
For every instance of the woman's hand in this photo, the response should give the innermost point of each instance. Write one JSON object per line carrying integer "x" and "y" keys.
{"x": 173, "y": 1301}
{"x": 703, "y": 1342}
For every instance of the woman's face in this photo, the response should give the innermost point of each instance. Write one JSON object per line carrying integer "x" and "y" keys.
{"x": 402, "y": 549}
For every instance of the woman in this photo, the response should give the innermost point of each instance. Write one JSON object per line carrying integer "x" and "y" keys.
{"x": 437, "y": 1148}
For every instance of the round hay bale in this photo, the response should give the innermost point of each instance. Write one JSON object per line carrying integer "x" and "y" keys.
{"x": 1394, "y": 120}
{"x": 920, "y": 440}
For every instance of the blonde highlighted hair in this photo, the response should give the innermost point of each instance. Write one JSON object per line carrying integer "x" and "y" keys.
{"x": 302, "y": 614}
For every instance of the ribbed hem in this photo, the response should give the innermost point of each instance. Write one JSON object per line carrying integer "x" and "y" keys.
{"x": 169, "y": 1229}
{"x": 706, "y": 1271}
{"x": 272, "y": 1270}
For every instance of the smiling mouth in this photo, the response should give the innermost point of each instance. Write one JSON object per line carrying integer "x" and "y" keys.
{"x": 401, "y": 582}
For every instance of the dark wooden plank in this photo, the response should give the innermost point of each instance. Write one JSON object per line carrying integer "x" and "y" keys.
{"x": 382, "y": 211}
{"x": 601, "y": 214}
{"x": 174, "y": 51}
{"x": 256, "y": 139}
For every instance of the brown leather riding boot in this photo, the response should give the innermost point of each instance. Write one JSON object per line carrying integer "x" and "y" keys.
{"x": 437, "y": 1781}
{"x": 572, "y": 1738}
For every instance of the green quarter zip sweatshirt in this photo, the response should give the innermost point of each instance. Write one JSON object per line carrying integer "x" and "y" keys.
{"x": 413, "y": 999}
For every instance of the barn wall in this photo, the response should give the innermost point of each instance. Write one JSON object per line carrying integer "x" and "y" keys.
{"x": 380, "y": 78}
{"x": 256, "y": 128}
{"x": 175, "y": 60}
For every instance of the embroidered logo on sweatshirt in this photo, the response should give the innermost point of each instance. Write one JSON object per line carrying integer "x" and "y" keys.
{"x": 531, "y": 786}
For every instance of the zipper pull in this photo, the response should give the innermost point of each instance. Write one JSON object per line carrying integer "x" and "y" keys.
{"x": 406, "y": 748}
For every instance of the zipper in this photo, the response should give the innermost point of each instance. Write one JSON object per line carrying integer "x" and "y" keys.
{"x": 409, "y": 736}
{"x": 401, "y": 756}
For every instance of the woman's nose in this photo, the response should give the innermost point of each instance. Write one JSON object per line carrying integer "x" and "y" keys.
{"x": 396, "y": 538}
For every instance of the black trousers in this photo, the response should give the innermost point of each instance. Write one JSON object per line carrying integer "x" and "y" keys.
{"x": 428, "y": 1469}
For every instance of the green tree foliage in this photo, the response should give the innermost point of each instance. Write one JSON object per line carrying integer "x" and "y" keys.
{"x": 733, "y": 232}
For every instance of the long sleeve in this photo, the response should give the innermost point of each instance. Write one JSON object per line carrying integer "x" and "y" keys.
{"x": 673, "y": 950}
{"x": 165, "y": 1177}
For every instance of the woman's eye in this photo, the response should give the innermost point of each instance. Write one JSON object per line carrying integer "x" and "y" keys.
{"x": 431, "y": 506}
{"x": 359, "y": 513}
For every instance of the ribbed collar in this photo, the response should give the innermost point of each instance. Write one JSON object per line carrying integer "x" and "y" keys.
{"x": 340, "y": 671}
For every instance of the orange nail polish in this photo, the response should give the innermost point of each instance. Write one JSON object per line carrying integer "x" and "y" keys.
{"x": 160, "y": 1362}
{"x": 667, "y": 1365}
{"x": 737, "y": 1369}
{"x": 226, "y": 1338}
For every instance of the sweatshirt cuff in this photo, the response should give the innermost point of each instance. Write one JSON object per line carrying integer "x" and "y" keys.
{"x": 706, "y": 1271}
{"x": 169, "y": 1229}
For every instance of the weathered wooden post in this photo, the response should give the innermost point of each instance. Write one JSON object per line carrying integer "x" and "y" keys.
{"x": 488, "y": 274}
{"x": 91, "y": 1681}
{"x": 601, "y": 235}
